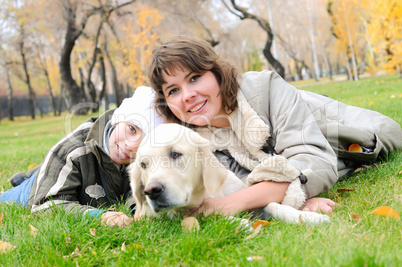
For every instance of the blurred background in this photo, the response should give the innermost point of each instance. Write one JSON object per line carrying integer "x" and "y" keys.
{"x": 56, "y": 55}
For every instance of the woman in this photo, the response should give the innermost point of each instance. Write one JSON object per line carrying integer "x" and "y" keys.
{"x": 294, "y": 143}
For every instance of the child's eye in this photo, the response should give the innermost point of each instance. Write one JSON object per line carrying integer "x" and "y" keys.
{"x": 132, "y": 128}
{"x": 173, "y": 91}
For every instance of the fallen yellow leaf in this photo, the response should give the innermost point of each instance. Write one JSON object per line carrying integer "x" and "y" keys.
{"x": 387, "y": 212}
{"x": 340, "y": 190}
{"x": 356, "y": 217}
{"x": 31, "y": 166}
{"x": 92, "y": 231}
{"x": 123, "y": 246}
{"x": 1, "y": 219}
{"x": 5, "y": 247}
{"x": 254, "y": 258}
{"x": 258, "y": 223}
{"x": 190, "y": 224}
{"x": 33, "y": 231}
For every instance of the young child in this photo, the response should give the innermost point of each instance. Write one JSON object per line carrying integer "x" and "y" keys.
{"x": 294, "y": 144}
{"x": 86, "y": 170}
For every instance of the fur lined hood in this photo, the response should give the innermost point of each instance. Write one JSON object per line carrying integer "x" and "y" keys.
{"x": 244, "y": 142}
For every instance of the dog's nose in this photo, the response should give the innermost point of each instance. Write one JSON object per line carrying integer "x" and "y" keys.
{"x": 154, "y": 190}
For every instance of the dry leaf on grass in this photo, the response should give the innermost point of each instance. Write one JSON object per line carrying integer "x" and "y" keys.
{"x": 1, "y": 219}
{"x": 257, "y": 223}
{"x": 356, "y": 217}
{"x": 387, "y": 212}
{"x": 33, "y": 231}
{"x": 123, "y": 246}
{"x": 5, "y": 247}
{"x": 254, "y": 258}
{"x": 357, "y": 170}
{"x": 2, "y": 190}
{"x": 256, "y": 232}
{"x": 190, "y": 224}
{"x": 340, "y": 190}
{"x": 31, "y": 166}
{"x": 92, "y": 231}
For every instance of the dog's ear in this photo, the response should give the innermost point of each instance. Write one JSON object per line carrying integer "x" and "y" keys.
{"x": 137, "y": 188}
{"x": 214, "y": 173}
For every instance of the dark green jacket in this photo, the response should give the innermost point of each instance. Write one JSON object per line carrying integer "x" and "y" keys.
{"x": 78, "y": 174}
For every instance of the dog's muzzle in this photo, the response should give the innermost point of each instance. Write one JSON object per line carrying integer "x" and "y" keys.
{"x": 154, "y": 190}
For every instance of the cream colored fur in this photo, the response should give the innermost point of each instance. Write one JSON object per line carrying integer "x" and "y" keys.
{"x": 188, "y": 179}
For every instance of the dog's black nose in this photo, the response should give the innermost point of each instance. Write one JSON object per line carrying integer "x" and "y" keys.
{"x": 154, "y": 190}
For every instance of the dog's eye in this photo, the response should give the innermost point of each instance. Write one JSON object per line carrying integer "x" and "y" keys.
{"x": 175, "y": 155}
{"x": 143, "y": 165}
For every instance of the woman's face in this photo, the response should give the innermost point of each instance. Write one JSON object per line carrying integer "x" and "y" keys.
{"x": 124, "y": 142}
{"x": 194, "y": 98}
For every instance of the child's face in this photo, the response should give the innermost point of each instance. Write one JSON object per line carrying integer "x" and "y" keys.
{"x": 194, "y": 98}
{"x": 124, "y": 142}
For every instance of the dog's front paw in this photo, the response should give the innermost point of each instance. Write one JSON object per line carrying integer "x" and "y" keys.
{"x": 291, "y": 215}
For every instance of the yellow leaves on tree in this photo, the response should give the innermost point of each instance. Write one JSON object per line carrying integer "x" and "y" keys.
{"x": 385, "y": 32}
{"x": 136, "y": 48}
{"x": 376, "y": 25}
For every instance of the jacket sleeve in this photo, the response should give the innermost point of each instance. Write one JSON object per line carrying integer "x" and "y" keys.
{"x": 296, "y": 134}
{"x": 59, "y": 179}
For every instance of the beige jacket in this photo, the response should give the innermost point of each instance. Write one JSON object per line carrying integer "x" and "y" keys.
{"x": 279, "y": 131}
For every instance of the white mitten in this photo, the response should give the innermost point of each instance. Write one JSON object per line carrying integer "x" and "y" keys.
{"x": 291, "y": 215}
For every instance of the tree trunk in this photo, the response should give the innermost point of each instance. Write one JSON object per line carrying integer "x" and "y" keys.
{"x": 36, "y": 102}
{"x": 61, "y": 96}
{"x": 49, "y": 89}
{"x": 73, "y": 95}
{"x": 90, "y": 85}
{"x": 103, "y": 75}
{"x": 10, "y": 97}
{"x": 264, "y": 24}
{"x": 116, "y": 86}
{"x": 352, "y": 53}
{"x": 27, "y": 80}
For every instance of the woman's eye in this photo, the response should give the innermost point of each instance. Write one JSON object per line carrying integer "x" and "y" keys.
{"x": 174, "y": 90}
{"x": 195, "y": 78}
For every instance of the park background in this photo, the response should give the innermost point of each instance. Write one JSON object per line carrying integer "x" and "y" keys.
{"x": 349, "y": 50}
{"x": 57, "y": 54}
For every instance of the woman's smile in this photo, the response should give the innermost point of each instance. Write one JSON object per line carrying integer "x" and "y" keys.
{"x": 198, "y": 107}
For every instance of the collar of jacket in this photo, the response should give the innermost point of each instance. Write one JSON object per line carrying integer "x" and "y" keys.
{"x": 244, "y": 141}
{"x": 94, "y": 139}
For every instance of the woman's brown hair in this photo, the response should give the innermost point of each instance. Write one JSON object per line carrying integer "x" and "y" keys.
{"x": 195, "y": 55}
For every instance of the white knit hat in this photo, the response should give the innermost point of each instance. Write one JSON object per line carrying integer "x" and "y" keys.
{"x": 139, "y": 110}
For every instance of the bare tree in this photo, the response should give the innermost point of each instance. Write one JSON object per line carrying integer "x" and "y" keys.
{"x": 10, "y": 94}
{"x": 264, "y": 24}
{"x": 32, "y": 96}
{"x": 116, "y": 85}
{"x": 74, "y": 94}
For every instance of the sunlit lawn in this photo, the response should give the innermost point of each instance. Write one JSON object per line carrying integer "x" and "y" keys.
{"x": 355, "y": 237}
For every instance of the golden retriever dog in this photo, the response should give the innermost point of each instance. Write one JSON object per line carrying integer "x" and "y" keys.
{"x": 175, "y": 171}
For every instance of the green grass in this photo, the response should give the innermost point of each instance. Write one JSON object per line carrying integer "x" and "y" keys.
{"x": 65, "y": 240}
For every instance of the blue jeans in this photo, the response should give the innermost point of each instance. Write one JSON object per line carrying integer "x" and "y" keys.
{"x": 19, "y": 194}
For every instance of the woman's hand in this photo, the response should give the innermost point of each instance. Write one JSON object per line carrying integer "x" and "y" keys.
{"x": 319, "y": 204}
{"x": 115, "y": 218}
